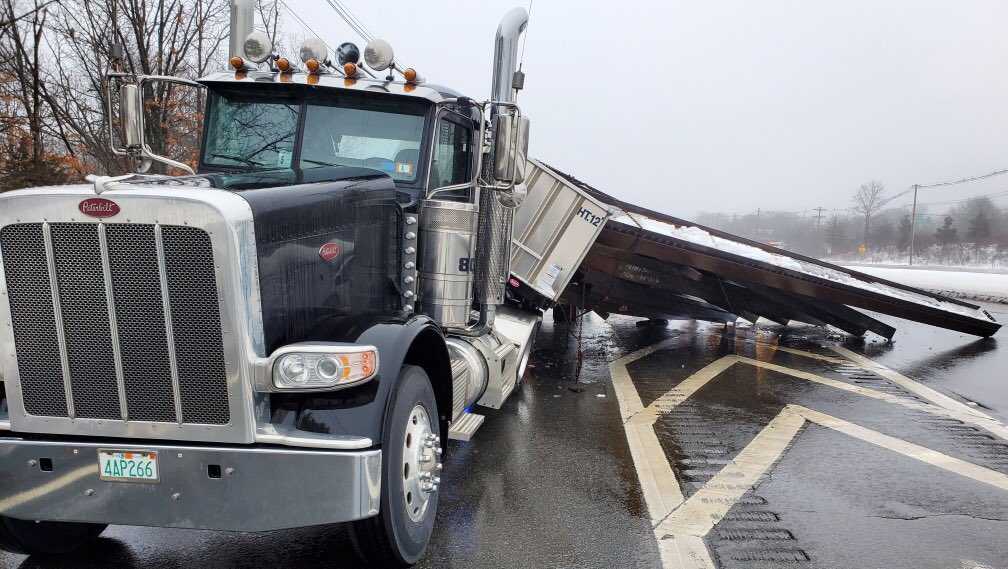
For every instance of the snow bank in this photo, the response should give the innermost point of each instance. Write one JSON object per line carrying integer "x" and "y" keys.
{"x": 700, "y": 237}
{"x": 980, "y": 286}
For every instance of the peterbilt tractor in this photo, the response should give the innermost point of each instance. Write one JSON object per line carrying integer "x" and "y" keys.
{"x": 287, "y": 335}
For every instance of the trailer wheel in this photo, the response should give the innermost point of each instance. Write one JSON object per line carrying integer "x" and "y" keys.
{"x": 45, "y": 538}
{"x": 411, "y": 469}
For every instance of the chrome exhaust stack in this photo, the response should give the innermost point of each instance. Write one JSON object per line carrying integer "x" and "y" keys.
{"x": 242, "y": 24}
{"x": 493, "y": 246}
{"x": 509, "y": 31}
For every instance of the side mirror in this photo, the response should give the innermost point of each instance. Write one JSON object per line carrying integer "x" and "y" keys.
{"x": 510, "y": 148}
{"x": 130, "y": 121}
{"x": 131, "y": 141}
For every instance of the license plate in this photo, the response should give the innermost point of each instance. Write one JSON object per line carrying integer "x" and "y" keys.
{"x": 128, "y": 465}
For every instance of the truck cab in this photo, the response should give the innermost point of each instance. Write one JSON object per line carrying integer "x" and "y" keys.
{"x": 284, "y": 337}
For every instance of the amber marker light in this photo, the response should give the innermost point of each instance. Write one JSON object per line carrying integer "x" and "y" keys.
{"x": 410, "y": 75}
{"x": 237, "y": 62}
{"x": 283, "y": 64}
{"x": 350, "y": 69}
{"x": 313, "y": 66}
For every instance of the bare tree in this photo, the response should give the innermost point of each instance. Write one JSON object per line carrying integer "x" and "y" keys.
{"x": 53, "y": 56}
{"x": 868, "y": 201}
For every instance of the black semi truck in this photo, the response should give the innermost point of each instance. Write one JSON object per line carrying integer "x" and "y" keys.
{"x": 285, "y": 337}
{"x": 288, "y": 335}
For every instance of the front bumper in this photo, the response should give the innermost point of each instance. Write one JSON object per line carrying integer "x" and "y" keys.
{"x": 259, "y": 489}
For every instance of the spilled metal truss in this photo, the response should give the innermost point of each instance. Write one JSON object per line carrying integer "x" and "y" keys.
{"x": 645, "y": 263}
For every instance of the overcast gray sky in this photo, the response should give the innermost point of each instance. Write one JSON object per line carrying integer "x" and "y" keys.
{"x": 731, "y": 105}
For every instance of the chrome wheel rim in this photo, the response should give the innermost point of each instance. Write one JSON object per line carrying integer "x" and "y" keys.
{"x": 421, "y": 466}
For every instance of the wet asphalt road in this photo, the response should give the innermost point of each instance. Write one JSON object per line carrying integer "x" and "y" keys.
{"x": 549, "y": 480}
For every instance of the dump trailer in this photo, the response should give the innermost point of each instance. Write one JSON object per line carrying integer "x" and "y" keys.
{"x": 287, "y": 335}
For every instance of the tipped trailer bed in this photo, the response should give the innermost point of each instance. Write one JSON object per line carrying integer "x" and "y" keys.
{"x": 577, "y": 245}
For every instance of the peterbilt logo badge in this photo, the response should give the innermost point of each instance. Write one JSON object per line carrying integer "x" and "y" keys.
{"x": 98, "y": 207}
{"x": 330, "y": 251}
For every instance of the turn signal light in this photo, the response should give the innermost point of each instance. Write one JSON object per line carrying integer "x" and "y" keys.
{"x": 410, "y": 75}
{"x": 313, "y": 65}
{"x": 350, "y": 69}
{"x": 237, "y": 62}
{"x": 283, "y": 64}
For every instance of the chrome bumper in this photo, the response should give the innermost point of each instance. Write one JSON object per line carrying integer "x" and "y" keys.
{"x": 259, "y": 489}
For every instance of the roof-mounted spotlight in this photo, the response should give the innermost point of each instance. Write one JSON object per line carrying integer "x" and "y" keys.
{"x": 258, "y": 47}
{"x": 347, "y": 53}
{"x": 378, "y": 54}
{"x": 314, "y": 53}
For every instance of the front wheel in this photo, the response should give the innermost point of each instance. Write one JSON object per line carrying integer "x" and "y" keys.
{"x": 411, "y": 468}
{"x": 45, "y": 538}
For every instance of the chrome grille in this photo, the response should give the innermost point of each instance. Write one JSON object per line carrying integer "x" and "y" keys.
{"x": 29, "y": 292}
{"x": 121, "y": 319}
{"x": 139, "y": 313}
{"x": 88, "y": 346}
{"x": 198, "y": 347}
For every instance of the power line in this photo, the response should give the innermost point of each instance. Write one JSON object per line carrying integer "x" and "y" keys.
{"x": 963, "y": 200}
{"x": 351, "y": 20}
{"x": 963, "y": 180}
{"x": 305, "y": 24}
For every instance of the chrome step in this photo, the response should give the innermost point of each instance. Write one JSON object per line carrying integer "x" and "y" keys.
{"x": 465, "y": 426}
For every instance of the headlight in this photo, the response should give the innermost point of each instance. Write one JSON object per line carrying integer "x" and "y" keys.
{"x": 322, "y": 367}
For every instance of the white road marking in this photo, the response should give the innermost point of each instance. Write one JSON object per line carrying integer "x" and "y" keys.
{"x": 806, "y": 354}
{"x": 661, "y": 490}
{"x": 662, "y": 493}
{"x": 705, "y": 508}
{"x": 708, "y": 506}
{"x": 923, "y": 454}
{"x": 959, "y": 410}
{"x": 680, "y": 525}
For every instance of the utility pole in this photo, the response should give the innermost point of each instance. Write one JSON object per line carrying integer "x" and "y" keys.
{"x": 913, "y": 223}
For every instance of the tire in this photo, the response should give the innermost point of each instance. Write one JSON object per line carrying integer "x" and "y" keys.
{"x": 398, "y": 535}
{"x": 45, "y": 538}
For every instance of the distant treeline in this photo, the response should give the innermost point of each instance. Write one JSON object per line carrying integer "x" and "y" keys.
{"x": 973, "y": 233}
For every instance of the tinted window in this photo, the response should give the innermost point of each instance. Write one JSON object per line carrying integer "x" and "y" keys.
{"x": 452, "y": 155}
{"x": 252, "y": 134}
{"x": 378, "y": 139}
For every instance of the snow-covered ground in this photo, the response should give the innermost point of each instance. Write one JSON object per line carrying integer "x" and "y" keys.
{"x": 991, "y": 287}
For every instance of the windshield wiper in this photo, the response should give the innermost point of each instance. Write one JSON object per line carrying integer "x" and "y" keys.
{"x": 319, "y": 162}
{"x": 248, "y": 161}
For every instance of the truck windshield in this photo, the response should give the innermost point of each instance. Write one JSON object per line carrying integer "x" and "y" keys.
{"x": 250, "y": 133}
{"x": 386, "y": 139}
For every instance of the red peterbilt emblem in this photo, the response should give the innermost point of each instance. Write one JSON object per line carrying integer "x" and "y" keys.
{"x": 330, "y": 251}
{"x": 98, "y": 207}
